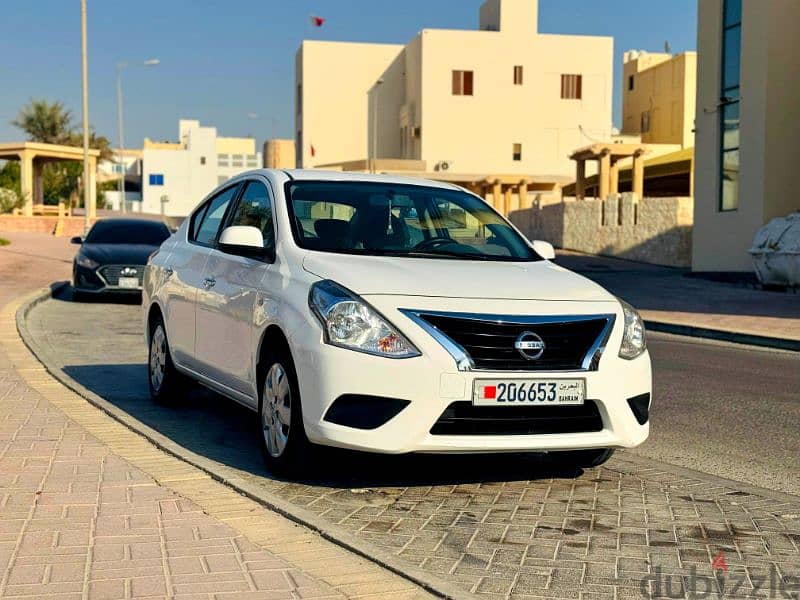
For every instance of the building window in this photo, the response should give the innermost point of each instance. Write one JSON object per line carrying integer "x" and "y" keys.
{"x": 156, "y": 179}
{"x": 223, "y": 160}
{"x": 237, "y": 160}
{"x": 644, "y": 127}
{"x": 571, "y": 87}
{"x": 462, "y": 83}
{"x": 117, "y": 169}
{"x": 630, "y": 82}
{"x": 517, "y": 152}
{"x": 202, "y": 160}
{"x": 729, "y": 105}
{"x": 299, "y": 99}
{"x": 518, "y": 75}
{"x": 252, "y": 160}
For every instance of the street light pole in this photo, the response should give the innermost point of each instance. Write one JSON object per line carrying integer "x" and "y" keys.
{"x": 85, "y": 84}
{"x": 121, "y": 128}
{"x": 375, "y": 126}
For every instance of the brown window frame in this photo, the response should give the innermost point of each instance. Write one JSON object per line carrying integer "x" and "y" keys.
{"x": 571, "y": 86}
{"x": 518, "y": 74}
{"x": 463, "y": 83}
{"x": 516, "y": 155}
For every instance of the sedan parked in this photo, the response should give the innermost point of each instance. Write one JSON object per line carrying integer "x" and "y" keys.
{"x": 390, "y": 315}
{"x": 113, "y": 254}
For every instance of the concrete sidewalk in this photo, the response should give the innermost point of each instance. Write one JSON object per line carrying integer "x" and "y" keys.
{"x": 670, "y": 297}
{"x": 90, "y": 509}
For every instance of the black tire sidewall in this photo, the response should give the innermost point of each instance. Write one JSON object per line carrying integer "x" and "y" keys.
{"x": 295, "y": 455}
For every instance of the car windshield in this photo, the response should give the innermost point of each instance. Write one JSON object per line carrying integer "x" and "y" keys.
{"x": 109, "y": 232}
{"x": 383, "y": 219}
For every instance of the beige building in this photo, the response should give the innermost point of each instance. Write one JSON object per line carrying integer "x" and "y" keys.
{"x": 502, "y": 103}
{"x": 658, "y": 97}
{"x": 279, "y": 154}
{"x": 748, "y": 125}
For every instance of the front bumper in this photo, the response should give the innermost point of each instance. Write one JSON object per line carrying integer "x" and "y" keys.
{"x": 90, "y": 281}
{"x": 431, "y": 383}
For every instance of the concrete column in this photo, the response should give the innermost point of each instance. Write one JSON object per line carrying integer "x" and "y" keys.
{"x": 26, "y": 182}
{"x": 524, "y": 203}
{"x": 638, "y": 174}
{"x": 38, "y": 183}
{"x": 603, "y": 175}
{"x": 613, "y": 178}
{"x": 580, "y": 179}
{"x": 507, "y": 201}
{"x": 92, "y": 187}
{"x": 497, "y": 191}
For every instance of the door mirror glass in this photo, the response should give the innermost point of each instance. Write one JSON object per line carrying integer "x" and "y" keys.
{"x": 76, "y": 240}
{"x": 544, "y": 249}
{"x": 243, "y": 240}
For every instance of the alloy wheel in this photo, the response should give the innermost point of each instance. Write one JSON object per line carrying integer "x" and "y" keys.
{"x": 276, "y": 410}
{"x": 158, "y": 357}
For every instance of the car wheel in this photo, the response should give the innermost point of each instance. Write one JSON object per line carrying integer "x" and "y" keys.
{"x": 164, "y": 380}
{"x": 587, "y": 459}
{"x": 283, "y": 437}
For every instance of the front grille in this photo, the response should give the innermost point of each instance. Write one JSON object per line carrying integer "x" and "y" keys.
{"x": 462, "y": 418}
{"x": 111, "y": 273}
{"x": 489, "y": 342}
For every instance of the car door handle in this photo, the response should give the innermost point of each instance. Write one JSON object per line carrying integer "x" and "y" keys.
{"x": 209, "y": 282}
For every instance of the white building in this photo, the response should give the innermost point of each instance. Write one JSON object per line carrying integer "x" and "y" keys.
{"x": 176, "y": 176}
{"x": 128, "y": 162}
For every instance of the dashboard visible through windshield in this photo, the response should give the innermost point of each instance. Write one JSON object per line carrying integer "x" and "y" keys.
{"x": 382, "y": 219}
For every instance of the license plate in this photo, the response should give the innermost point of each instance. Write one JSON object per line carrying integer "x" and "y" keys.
{"x": 529, "y": 392}
{"x": 128, "y": 282}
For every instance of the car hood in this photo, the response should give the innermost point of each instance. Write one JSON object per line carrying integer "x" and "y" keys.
{"x": 118, "y": 254}
{"x": 371, "y": 275}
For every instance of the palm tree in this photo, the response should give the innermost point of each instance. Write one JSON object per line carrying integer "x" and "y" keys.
{"x": 46, "y": 122}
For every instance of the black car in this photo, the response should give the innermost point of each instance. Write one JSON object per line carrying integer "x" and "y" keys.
{"x": 113, "y": 255}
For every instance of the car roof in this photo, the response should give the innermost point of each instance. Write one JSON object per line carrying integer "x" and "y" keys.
{"x": 127, "y": 221}
{"x": 323, "y": 175}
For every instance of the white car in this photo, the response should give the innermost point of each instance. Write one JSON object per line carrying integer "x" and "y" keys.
{"x": 390, "y": 315}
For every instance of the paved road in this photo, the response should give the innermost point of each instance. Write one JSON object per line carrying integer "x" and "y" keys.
{"x": 515, "y": 525}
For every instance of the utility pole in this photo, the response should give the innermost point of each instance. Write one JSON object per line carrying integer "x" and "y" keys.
{"x": 375, "y": 125}
{"x": 121, "y": 131}
{"x": 87, "y": 195}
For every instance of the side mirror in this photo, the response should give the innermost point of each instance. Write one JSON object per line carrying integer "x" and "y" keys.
{"x": 244, "y": 240}
{"x": 544, "y": 249}
{"x": 76, "y": 240}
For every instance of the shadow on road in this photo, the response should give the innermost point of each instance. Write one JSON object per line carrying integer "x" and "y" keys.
{"x": 222, "y": 430}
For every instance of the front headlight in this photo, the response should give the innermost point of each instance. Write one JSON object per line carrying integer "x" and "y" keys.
{"x": 633, "y": 339}
{"x": 85, "y": 261}
{"x": 349, "y": 322}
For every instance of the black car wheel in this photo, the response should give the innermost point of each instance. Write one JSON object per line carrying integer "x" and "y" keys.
{"x": 166, "y": 383}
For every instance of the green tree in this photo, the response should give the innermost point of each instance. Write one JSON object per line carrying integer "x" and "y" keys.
{"x": 52, "y": 123}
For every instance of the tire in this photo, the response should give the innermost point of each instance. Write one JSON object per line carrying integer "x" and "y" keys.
{"x": 166, "y": 384}
{"x": 586, "y": 459}
{"x": 282, "y": 436}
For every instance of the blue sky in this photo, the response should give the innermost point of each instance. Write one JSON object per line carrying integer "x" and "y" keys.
{"x": 223, "y": 61}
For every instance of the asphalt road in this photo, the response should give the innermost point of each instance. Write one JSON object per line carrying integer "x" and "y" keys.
{"x": 722, "y": 409}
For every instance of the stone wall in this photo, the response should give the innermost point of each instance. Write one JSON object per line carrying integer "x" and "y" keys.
{"x": 61, "y": 226}
{"x": 653, "y": 230}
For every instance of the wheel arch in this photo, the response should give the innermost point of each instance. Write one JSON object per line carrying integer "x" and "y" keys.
{"x": 273, "y": 337}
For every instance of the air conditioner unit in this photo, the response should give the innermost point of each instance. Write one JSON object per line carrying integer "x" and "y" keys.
{"x": 444, "y": 165}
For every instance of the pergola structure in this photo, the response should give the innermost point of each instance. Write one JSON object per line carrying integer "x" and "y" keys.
{"x": 33, "y": 156}
{"x": 608, "y": 157}
{"x": 509, "y": 192}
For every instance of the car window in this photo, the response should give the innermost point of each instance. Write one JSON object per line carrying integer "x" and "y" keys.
{"x": 385, "y": 219}
{"x": 207, "y": 226}
{"x": 255, "y": 210}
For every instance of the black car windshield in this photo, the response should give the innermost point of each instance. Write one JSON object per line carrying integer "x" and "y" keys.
{"x": 125, "y": 232}
{"x": 384, "y": 219}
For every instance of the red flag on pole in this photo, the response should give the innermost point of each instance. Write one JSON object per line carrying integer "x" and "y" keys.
{"x": 317, "y": 21}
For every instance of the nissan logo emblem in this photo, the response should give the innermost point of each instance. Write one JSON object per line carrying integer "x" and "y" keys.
{"x": 529, "y": 345}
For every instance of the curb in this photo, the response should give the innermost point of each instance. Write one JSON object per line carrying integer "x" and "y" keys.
{"x": 217, "y": 472}
{"x": 748, "y": 339}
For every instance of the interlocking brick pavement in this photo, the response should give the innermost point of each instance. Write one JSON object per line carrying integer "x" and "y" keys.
{"x": 77, "y": 520}
{"x": 499, "y": 526}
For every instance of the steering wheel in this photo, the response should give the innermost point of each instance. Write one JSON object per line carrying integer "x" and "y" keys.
{"x": 433, "y": 242}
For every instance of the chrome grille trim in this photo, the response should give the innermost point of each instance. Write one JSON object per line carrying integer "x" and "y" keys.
{"x": 464, "y": 361}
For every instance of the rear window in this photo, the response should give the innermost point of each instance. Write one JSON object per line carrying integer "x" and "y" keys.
{"x": 109, "y": 232}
